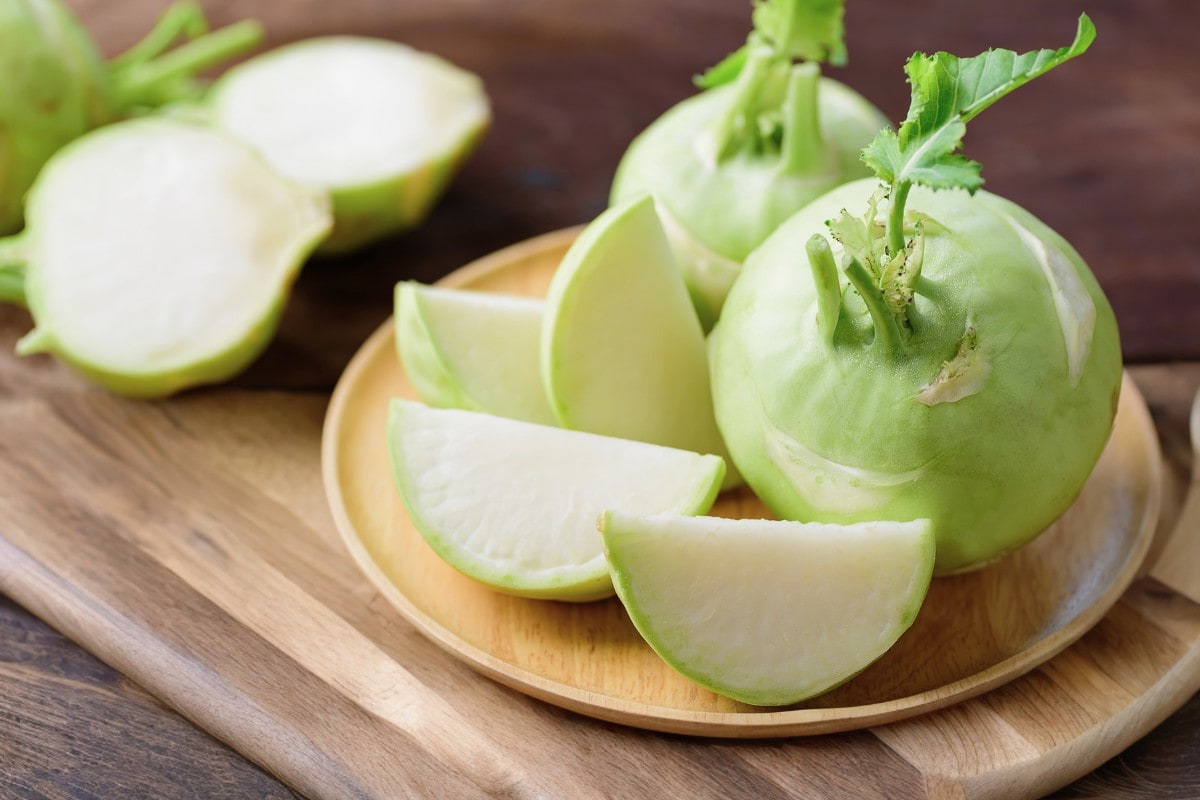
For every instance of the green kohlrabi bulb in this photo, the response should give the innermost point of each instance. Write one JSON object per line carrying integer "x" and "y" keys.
{"x": 56, "y": 87}
{"x": 973, "y": 381}
{"x": 728, "y": 166}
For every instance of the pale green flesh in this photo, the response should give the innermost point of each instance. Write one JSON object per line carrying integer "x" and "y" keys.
{"x": 767, "y": 612}
{"x": 345, "y": 111}
{"x": 514, "y": 505}
{"x": 995, "y": 456}
{"x": 623, "y": 353}
{"x": 157, "y": 248}
{"x": 473, "y": 350}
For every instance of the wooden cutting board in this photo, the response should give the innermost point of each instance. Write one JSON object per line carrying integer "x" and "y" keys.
{"x": 189, "y": 545}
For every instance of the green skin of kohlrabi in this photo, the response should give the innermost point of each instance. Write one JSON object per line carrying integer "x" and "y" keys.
{"x": 993, "y": 469}
{"x": 56, "y": 87}
{"x": 54, "y": 91}
{"x": 364, "y": 214}
{"x": 731, "y": 207}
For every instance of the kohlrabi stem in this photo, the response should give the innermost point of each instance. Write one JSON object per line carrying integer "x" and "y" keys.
{"x": 829, "y": 288}
{"x": 184, "y": 19}
{"x": 895, "y": 220}
{"x": 887, "y": 331}
{"x": 719, "y": 140}
{"x": 12, "y": 270}
{"x": 803, "y": 145}
{"x": 144, "y": 83}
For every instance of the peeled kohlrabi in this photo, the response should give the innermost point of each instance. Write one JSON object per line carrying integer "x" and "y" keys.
{"x": 966, "y": 368}
{"x": 380, "y": 126}
{"x": 766, "y": 137}
{"x": 56, "y": 87}
{"x": 158, "y": 254}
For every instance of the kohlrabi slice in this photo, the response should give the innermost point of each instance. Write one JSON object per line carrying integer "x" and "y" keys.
{"x": 158, "y": 255}
{"x": 766, "y": 137}
{"x": 767, "y": 612}
{"x": 622, "y": 350}
{"x": 514, "y": 505}
{"x": 473, "y": 350}
{"x": 379, "y": 125}
{"x": 56, "y": 87}
{"x": 962, "y": 365}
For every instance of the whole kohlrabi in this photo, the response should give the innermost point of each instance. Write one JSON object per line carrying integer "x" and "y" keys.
{"x": 767, "y": 136}
{"x": 963, "y": 365}
{"x": 54, "y": 87}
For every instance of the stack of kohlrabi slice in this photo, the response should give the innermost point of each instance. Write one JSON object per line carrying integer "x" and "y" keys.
{"x": 767, "y": 136}
{"x": 915, "y": 377}
{"x": 158, "y": 255}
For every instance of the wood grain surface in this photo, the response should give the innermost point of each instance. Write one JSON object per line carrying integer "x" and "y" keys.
{"x": 572, "y": 81}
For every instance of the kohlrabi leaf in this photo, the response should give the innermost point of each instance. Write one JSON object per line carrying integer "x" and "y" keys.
{"x": 811, "y": 30}
{"x": 947, "y": 92}
{"x": 726, "y": 70}
{"x": 808, "y": 30}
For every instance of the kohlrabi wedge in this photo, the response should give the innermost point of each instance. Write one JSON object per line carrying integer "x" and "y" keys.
{"x": 768, "y": 612}
{"x": 622, "y": 351}
{"x": 56, "y": 87}
{"x": 473, "y": 350}
{"x": 379, "y": 125}
{"x": 514, "y": 505}
{"x": 767, "y": 136}
{"x": 158, "y": 255}
{"x": 962, "y": 365}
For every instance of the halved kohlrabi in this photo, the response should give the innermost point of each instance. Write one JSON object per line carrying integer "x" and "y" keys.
{"x": 622, "y": 351}
{"x": 514, "y": 505}
{"x": 380, "y": 126}
{"x": 766, "y": 137}
{"x": 768, "y": 612}
{"x": 473, "y": 350}
{"x": 158, "y": 255}
{"x": 964, "y": 365}
{"x": 57, "y": 88}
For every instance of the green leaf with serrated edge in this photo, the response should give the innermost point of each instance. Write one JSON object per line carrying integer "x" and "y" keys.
{"x": 726, "y": 70}
{"x": 947, "y": 93}
{"x": 860, "y": 236}
{"x": 811, "y": 30}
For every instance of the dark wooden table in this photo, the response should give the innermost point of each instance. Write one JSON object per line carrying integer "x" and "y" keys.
{"x": 1107, "y": 150}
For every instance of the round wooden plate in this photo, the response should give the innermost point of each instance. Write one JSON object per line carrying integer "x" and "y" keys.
{"x": 974, "y": 632}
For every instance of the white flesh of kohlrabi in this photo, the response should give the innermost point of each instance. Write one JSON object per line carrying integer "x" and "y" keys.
{"x": 515, "y": 505}
{"x": 345, "y": 111}
{"x": 1076, "y": 311}
{"x": 156, "y": 245}
{"x": 473, "y": 350}
{"x": 769, "y": 612}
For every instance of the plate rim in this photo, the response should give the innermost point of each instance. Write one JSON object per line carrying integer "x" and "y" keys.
{"x": 789, "y": 722}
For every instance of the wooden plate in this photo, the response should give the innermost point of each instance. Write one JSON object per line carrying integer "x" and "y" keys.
{"x": 975, "y": 631}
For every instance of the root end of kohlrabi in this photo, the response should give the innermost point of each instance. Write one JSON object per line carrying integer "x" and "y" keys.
{"x": 38, "y": 340}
